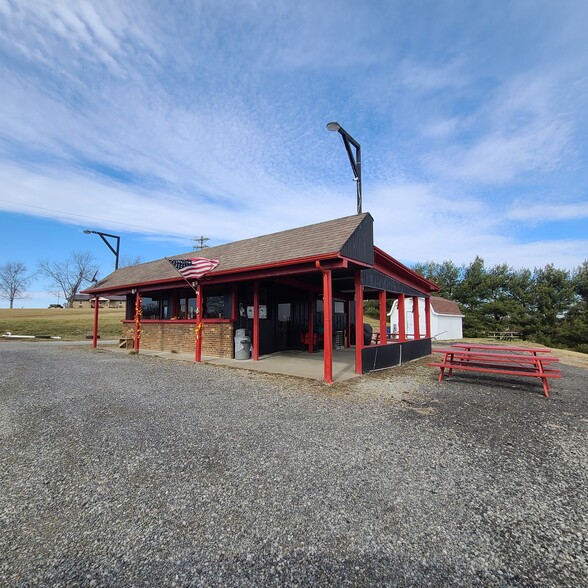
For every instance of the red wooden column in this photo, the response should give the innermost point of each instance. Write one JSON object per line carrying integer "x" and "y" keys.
{"x": 401, "y": 318}
{"x": 358, "y": 323}
{"x": 199, "y": 326}
{"x": 327, "y": 323}
{"x": 328, "y": 326}
{"x": 138, "y": 313}
{"x": 382, "y": 297}
{"x": 310, "y": 324}
{"x": 95, "y": 335}
{"x": 256, "y": 320}
{"x": 428, "y": 317}
{"x": 416, "y": 319}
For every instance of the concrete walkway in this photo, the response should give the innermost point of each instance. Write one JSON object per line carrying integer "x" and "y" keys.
{"x": 291, "y": 363}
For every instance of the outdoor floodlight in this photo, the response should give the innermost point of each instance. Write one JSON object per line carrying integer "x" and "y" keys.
{"x": 103, "y": 237}
{"x": 354, "y": 159}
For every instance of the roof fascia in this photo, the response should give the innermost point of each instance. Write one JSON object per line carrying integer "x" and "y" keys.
{"x": 400, "y": 271}
{"x": 330, "y": 261}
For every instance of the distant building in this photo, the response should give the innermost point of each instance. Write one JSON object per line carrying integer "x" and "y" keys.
{"x": 87, "y": 301}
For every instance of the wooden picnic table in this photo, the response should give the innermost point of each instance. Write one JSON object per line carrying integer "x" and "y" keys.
{"x": 505, "y": 335}
{"x": 498, "y": 359}
{"x": 389, "y": 337}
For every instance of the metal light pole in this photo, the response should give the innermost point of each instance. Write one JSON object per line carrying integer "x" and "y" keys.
{"x": 355, "y": 160}
{"x": 103, "y": 237}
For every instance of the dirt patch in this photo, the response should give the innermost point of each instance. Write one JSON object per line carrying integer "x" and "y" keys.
{"x": 572, "y": 358}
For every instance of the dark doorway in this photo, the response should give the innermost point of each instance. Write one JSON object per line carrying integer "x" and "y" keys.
{"x": 284, "y": 326}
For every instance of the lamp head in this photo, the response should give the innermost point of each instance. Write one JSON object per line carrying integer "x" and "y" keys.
{"x": 333, "y": 126}
{"x": 88, "y": 232}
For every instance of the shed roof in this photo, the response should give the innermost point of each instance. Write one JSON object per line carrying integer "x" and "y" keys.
{"x": 444, "y": 306}
{"x": 319, "y": 240}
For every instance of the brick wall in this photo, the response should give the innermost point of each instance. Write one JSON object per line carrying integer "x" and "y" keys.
{"x": 217, "y": 337}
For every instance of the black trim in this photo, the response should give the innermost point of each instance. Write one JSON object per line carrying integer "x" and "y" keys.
{"x": 376, "y": 279}
{"x": 378, "y": 357}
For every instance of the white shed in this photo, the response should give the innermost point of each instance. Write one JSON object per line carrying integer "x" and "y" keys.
{"x": 446, "y": 318}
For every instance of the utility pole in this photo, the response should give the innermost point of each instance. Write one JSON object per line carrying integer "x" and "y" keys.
{"x": 200, "y": 243}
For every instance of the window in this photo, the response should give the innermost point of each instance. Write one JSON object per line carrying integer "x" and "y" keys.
{"x": 284, "y": 312}
{"x": 150, "y": 308}
{"x": 216, "y": 302}
{"x": 187, "y": 307}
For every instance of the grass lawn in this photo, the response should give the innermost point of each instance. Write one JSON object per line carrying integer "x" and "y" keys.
{"x": 67, "y": 323}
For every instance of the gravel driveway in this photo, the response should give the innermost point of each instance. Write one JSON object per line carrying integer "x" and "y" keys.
{"x": 123, "y": 470}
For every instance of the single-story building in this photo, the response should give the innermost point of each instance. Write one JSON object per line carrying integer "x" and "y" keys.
{"x": 87, "y": 301}
{"x": 302, "y": 288}
{"x": 446, "y": 319}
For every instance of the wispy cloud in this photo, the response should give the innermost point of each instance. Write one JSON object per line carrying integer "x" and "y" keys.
{"x": 546, "y": 212}
{"x": 520, "y": 129}
{"x": 211, "y": 118}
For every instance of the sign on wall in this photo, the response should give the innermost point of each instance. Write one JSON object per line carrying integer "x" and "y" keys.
{"x": 262, "y": 311}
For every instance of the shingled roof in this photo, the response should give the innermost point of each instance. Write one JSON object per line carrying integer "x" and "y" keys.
{"x": 319, "y": 240}
{"x": 444, "y": 306}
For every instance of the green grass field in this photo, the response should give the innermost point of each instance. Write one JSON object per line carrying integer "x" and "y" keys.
{"x": 67, "y": 323}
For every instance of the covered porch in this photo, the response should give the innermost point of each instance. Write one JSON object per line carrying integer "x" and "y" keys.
{"x": 297, "y": 292}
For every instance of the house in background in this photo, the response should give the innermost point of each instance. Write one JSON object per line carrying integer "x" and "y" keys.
{"x": 446, "y": 319}
{"x": 87, "y": 301}
{"x": 300, "y": 289}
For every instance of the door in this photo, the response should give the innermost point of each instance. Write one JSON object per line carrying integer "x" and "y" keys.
{"x": 284, "y": 326}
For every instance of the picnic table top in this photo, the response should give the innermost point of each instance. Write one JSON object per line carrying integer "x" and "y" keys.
{"x": 491, "y": 347}
{"x": 457, "y": 355}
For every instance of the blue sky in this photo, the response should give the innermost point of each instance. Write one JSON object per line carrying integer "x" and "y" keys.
{"x": 165, "y": 121}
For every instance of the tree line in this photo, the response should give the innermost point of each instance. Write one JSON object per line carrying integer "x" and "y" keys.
{"x": 547, "y": 305}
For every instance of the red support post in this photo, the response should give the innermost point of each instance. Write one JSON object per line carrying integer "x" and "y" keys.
{"x": 327, "y": 323}
{"x": 416, "y": 319}
{"x": 95, "y": 335}
{"x": 401, "y": 318}
{"x": 199, "y": 326}
{"x": 138, "y": 313}
{"x": 428, "y": 317}
{"x": 382, "y": 305}
{"x": 256, "y": 320}
{"x": 358, "y": 322}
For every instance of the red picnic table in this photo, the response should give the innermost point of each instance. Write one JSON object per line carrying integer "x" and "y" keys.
{"x": 499, "y": 359}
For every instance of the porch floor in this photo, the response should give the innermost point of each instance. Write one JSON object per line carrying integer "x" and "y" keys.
{"x": 291, "y": 363}
{"x": 296, "y": 363}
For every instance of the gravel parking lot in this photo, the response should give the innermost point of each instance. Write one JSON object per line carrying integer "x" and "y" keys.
{"x": 124, "y": 470}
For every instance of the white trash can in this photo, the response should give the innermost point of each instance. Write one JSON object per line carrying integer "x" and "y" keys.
{"x": 242, "y": 344}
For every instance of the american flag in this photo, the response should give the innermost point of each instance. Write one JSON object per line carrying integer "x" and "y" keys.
{"x": 194, "y": 268}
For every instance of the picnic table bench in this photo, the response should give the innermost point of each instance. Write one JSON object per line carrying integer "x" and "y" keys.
{"x": 498, "y": 359}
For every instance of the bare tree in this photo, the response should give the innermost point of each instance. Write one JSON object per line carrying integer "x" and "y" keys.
{"x": 127, "y": 261}
{"x": 13, "y": 281}
{"x": 67, "y": 277}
